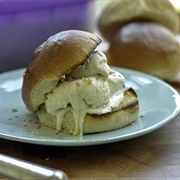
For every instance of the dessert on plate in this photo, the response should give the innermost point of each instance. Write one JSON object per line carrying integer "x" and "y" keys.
{"x": 72, "y": 89}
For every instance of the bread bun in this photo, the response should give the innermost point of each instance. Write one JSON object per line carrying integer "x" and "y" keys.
{"x": 60, "y": 54}
{"x": 121, "y": 12}
{"x": 51, "y": 64}
{"x": 147, "y": 47}
{"x": 123, "y": 115}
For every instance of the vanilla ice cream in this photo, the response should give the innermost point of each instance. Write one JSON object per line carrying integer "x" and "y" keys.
{"x": 92, "y": 88}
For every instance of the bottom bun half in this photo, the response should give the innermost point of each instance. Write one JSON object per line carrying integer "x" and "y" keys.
{"x": 123, "y": 115}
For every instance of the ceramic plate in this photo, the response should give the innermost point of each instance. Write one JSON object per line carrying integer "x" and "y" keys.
{"x": 159, "y": 103}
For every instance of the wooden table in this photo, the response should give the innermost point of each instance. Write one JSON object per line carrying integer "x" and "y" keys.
{"x": 154, "y": 155}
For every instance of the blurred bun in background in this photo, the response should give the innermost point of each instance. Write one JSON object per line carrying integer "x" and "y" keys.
{"x": 142, "y": 36}
{"x": 121, "y": 12}
{"x": 147, "y": 47}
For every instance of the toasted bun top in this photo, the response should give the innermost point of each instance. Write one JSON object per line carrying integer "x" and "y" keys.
{"x": 121, "y": 12}
{"x": 147, "y": 47}
{"x": 60, "y": 54}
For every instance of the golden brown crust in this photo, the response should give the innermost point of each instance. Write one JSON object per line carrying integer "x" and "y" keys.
{"x": 121, "y": 12}
{"x": 60, "y": 54}
{"x": 147, "y": 47}
{"x": 123, "y": 115}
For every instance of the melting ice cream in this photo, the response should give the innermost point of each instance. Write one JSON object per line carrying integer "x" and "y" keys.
{"x": 92, "y": 88}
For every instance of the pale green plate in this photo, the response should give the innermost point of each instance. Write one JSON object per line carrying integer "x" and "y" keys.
{"x": 159, "y": 103}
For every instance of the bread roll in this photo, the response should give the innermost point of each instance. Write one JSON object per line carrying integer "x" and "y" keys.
{"x": 57, "y": 85}
{"x": 121, "y": 12}
{"x": 147, "y": 47}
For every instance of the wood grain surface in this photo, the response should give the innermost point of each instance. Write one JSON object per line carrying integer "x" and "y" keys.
{"x": 153, "y": 156}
